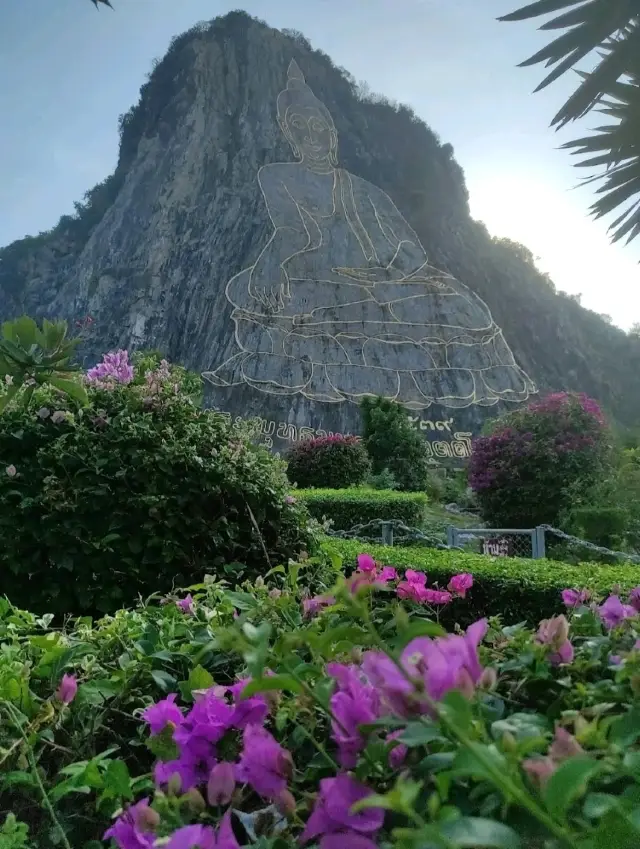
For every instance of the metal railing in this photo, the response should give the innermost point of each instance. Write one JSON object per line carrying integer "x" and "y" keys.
{"x": 501, "y": 542}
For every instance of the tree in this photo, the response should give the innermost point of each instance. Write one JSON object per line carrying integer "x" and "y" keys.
{"x": 610, "y": 28}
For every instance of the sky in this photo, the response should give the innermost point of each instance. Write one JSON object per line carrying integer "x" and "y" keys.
{"x": 69, "y": 71}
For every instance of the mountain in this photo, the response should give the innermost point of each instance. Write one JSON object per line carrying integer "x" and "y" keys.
{"x": 303, "y": 243}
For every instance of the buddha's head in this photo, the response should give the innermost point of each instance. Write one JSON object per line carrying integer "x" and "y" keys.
{"x": 307, "y": 123}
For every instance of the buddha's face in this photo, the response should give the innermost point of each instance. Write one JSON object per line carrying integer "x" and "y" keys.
{"x": 311, "y": 133}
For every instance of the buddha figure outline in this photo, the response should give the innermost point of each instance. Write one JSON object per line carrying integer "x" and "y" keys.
{"x": 342, "y": 301}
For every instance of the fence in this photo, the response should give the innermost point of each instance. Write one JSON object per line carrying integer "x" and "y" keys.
{"x": 496, "y": 542}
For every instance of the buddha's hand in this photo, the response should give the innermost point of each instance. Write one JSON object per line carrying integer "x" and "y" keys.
{"x": 369, "y": 276}
{"x": 271, "y": 298}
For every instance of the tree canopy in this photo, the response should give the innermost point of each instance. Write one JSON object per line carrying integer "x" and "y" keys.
{"x": 611, "y": 30}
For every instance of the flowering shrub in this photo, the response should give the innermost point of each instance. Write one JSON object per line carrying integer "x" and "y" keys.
{"x": 329, "y": 461}
{"x": 133, "y": 493}
{"x": 237, "y": 718}
{"x": 541, "y": 462}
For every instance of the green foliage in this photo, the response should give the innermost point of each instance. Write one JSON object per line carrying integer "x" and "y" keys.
{"x": 383, "y": 480}
{"x": 31, "y": 356}
{"x": 393, "y": 444}
{"x": 348, "y": 507}
{"x": 611, "y": 29}
{"x": 331, "y": 461}
{"x": 133, "y": 493}
{"x": 516, "y": 589}
{"x": 604, "y": 526}
{"x": 540, "y": 463}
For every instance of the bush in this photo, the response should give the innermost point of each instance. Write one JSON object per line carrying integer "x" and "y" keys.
{"x": 346, "y": 508}
{"x": 393, "y": 444}
{"x": 513, "y": 588}
{"x": 133, "y": 493}
{"x": 383, "y": 480}
{"x": 541, "y": 462}
{"x": 329, "y": 461}
{"x": 213, "y": 711}
{"x": 603, "y": 526}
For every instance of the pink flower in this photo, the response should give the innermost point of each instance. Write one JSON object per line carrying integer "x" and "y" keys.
{"x": 413, "y": 587}
{"x": 564, "y": 746}
{"x": 367, "y": 564}
{"x": 386, "y": 574}
{"x": 11, "y": 471}
{"x": 398, "y": 753}
{"x": 312, "y": 606}
{"x": 333, "y": 824}
{"x": 204, "y": 837}
{"x": 575, "y": 598}
{"x": 613, "y": 612}
{"x": 634, "y": 598}
{"x": 290, "y": 499}
{"x": 460, "y": 584}
{"x": 354, "y": 703}
{"x": 539, "y": 770}
{"x": 163, "y": 713}
{"x": 115, "y": 367}
{"x": 186, "y": 605}
{"x": 134, "y": 828}
{"x": 554, "y": 632}
{"x": 264, "y": 764}
{"x": 221, "y": 784}
{"x": 67, "y": 689}
{"x": 437, "y": 597}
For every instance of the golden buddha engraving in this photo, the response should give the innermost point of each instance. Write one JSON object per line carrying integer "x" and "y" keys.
{"x": 342, "y": 301}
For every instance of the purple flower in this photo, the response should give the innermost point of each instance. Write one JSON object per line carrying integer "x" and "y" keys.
{"x": 437, "y": 597}
{"x": 251, "y": 711}
{"x": 386, "y": 574}
{"x": 355, "y": 703}
{"x": 554, "y": 632}
{"x": 115, "y": 367}
{"x": 413, "y": 587}
{"x": 163, "y": 713}
{"x": 575, "y": 598}
{"x": 613, "y": 612}
{"x": 634, "y": 598}
{"x": 134, "y": 827}
{"x": 312, "y": 606}
{"x": 264, "y": 764}
{"x": 221, "y": 784}
{"x": 186, "y": 605}
{"x": 367, "y": 564}
{"x": 333, "y": 822}
{"x": 460, "y": 584}
{"x": 204, "y": 837}
{"x": 398, "y": 754}
{"x": 67, "y": 689}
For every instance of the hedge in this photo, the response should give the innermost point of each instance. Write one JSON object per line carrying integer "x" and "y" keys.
{"x": 513, "y": 588}
{"x": 349, "y": 507}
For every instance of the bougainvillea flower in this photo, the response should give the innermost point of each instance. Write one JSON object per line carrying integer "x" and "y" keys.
{"x": 115, "y": 367}
{"x": 386, "y": 574}
{"x": 634, "y": 598}
{"x": 564, "y": 746}
{"x": 163, "y": 713}
{"x": 575, "y": 598}
{"x": 193, "y": 837}
{"x": 539, "y": 770}
{"x": 311, "y": 606}
{"x": 437, "y": 597}
{"x": 396, "y": 692}
{"x": 67, "y": 689}
{"x": 413, "y": 586}
{"x": 189, "y": 771}
{"x": 332, "y": 816}
{"x": 460, "y": 584}
{"x": 251, "y": 711}
{"x": 613, "y": 612}
{"x": 355, "y": 703}
{"x": 134, "y": 827}
{"x": 366, "y": 563}
{"x": 554, "y": 632}
{"x": 186, "y": 605}
{"x": 264, "y": 764}
{"x": 398, "y": 754}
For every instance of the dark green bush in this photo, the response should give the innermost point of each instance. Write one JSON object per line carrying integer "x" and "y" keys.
{"x": 513, "y": 588}
{"x": 349, "y": 507}
{"x": 134, "y": 493}
{"x": 393, "y": 444}
{"x": 602, "y": 525}
{"x": 329, "y": 461}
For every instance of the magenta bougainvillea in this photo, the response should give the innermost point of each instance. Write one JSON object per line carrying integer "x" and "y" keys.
{"x": 334, "y": 461}
{"x": 540, "y": 462}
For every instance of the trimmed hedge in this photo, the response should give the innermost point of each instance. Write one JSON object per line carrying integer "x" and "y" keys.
{"x": 513, "y": 588}
{"x": 349, "y": 507}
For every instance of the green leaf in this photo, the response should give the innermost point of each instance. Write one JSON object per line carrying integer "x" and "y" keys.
{"x": 24, "y": 331}
{"x": 164, "y": 681}
{"x": 271, "y": 682}
{"x": 568, "y": 783}
{"x": 162, "y": 745}
{"x": 458, "y": 709}
{"x": 199, "y": 679}
{"x": 419, "y": 628}
{"x": 626, "y": 730}
{"x": 9, "y": 395}
{"x": 117, "y": 780}
{"x": 479, "y": 761}
{"x": 73, "y": 388}
{"x": 419, "y": 734}
{"x": 243, "y": 601}
{"x": 476, "y": 831}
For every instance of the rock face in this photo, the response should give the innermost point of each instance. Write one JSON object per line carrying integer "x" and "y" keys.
{"x": 302, "y": 247}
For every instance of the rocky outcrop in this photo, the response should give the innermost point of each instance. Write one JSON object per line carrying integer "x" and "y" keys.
{"x": 303, "y": 246}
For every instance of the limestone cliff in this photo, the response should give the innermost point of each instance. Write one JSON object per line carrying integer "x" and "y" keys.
{"x": 302, "y": 246}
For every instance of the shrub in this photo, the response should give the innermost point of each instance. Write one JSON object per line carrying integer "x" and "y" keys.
{"x": 330, "y": 461}
{"x": 541, "y": 462}
{"x": 346, "y": 508}
{"x": 603, "y": 526}
{"x": 383, "y": 480}
{"x": 133, "y": 493}
{"x": 208, "y": 713}
{"x": 516, "y": 589}
{"x": 393, "y": 444}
